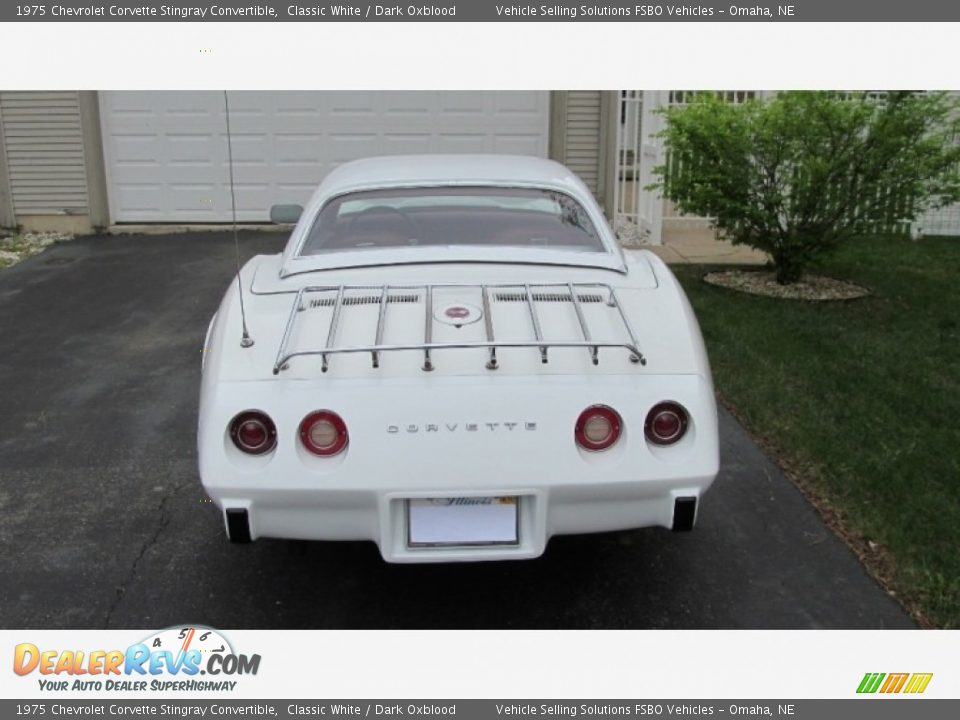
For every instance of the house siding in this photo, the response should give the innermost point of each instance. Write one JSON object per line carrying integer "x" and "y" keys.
{"x": 583, "y": 136}
{"x": 44, "y": 151}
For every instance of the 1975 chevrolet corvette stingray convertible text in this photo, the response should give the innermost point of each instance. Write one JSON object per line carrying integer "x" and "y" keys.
{"x": 454, "y": 358}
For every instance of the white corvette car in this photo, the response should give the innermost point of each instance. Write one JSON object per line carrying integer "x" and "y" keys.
{"x": 454, "y": 359}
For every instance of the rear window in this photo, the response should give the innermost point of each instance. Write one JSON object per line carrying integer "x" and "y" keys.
{"x": 452, "y": 216}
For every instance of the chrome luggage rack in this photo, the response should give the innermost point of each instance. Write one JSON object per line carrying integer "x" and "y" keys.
{"x": 522, "y": 292}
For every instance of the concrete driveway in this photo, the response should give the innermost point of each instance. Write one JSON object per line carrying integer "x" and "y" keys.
{"x": 103, "y": 522}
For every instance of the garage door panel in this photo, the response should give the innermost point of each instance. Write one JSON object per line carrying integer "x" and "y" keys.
{"x": 196, "y": 149}
{"x": 166, "y": 152}
{"x": 350, "y": 102}
{"x": 249, "y": 197}
{"x": 529, "y": 104}
{"x": 464, "y": 102}
{"x": 194, "y": 194}
{"x": 145, "y": 199}
{"x": 297, "y": 149}
{"x": 463, "y": 143}
{"x": 250, "y": 150}
{"x": 137, "y": 149}
{"x": 407, "y": 143}
{"x": 289, "y": 189}
{"x": 516, "y": 144}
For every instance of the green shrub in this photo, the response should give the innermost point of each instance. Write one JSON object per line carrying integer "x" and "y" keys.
{"x": 798, "y": 174}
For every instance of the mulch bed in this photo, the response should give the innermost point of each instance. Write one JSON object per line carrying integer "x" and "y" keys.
{"x": 763, "y": 282}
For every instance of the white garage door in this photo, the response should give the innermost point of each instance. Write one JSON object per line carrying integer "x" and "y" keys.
{"x": 166, "y": 152}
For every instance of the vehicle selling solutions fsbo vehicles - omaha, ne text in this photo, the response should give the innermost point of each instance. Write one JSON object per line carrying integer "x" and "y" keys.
{"x": 454, "y": 358}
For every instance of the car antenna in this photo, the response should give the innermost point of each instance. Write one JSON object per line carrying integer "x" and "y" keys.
{"x": 245, "y": 340}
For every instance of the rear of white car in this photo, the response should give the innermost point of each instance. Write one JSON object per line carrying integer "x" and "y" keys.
{"x": 456, "y": 409}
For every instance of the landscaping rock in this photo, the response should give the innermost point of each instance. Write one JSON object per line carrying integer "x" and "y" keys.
{"x": 811, "y": 287}
{"x": 629, "y": 233}
{"x": 15, "y": 248}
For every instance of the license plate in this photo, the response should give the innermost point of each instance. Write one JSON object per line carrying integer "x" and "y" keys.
{"x": 466, "y": 521}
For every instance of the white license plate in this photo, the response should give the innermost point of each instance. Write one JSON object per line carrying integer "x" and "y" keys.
{"x": 443, "y": 522}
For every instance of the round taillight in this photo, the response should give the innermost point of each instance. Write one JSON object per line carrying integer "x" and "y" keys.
{"x": 597, "y": 428}
{"x": 323, "y": 433}
{"x": 253, "y": 432}
{"x": 666, "y": 423}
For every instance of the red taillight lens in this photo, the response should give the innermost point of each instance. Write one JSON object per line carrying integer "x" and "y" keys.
{"x": 323, "y": 433}
{"x": 597, "y": 428}
{"x": 666, "y": 423}
{"x": 253, "y": 432}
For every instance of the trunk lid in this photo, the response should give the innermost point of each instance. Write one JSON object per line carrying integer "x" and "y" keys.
{"x": 456, "y": 328}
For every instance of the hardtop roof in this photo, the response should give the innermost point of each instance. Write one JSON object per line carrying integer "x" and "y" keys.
{"x": 455, "y": 168}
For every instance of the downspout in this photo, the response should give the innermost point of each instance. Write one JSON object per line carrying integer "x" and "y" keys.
{"x": 7, "y": 217}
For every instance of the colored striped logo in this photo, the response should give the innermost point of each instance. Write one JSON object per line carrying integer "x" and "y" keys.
{"x": 888, "y": 683}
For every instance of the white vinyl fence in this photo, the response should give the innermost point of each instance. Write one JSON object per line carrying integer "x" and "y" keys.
{"x": 640, "y": 213}
{"x": 945, "y": 221}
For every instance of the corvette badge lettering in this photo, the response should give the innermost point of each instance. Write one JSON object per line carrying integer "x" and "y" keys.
{"x": 468, "y": 427}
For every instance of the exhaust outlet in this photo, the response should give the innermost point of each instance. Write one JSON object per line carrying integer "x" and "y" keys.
{"x": 684, "y": 513}
{"x": 238, "y": 525}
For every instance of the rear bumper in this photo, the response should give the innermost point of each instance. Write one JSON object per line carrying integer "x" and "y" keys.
{"x": 458, "y": 437}
{"x": 381, "y": 516}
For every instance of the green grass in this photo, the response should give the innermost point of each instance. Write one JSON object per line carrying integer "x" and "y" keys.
{"x": 862, "y": 400}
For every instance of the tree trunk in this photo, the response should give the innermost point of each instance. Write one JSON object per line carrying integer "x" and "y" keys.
{"x": 788, "y": 269}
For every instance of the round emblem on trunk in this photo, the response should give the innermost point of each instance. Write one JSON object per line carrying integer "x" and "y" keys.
{"x": 458, "y": 313}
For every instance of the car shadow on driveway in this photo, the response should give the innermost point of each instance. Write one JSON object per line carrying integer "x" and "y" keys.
{"x": 104, "y": 522}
